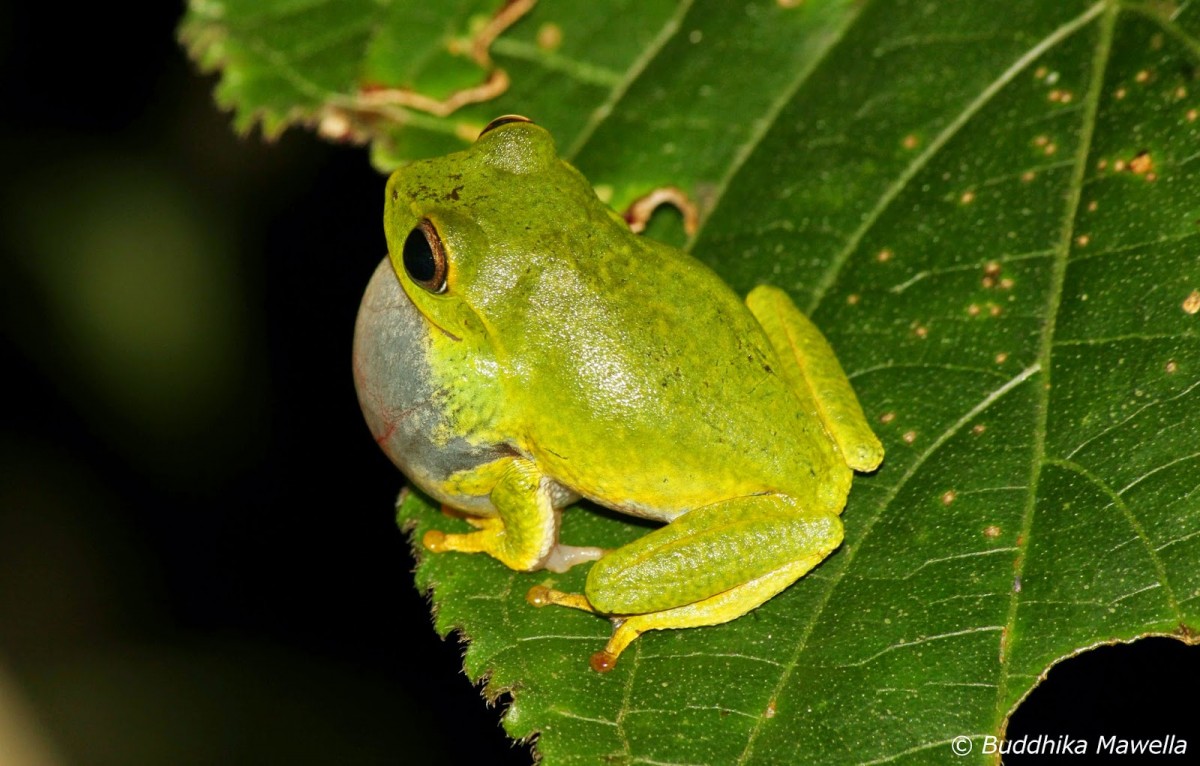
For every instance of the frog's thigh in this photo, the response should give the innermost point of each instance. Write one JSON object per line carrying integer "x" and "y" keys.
{"x": 526, "y": 528}
{"x": 813, "y": 371}
{"x": 709, "y": 551}
{"x": 714, "y": 610}
{"x": 709, "y": 566}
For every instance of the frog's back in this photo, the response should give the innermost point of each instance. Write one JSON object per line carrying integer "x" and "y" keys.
{"x": 683, "y": 397}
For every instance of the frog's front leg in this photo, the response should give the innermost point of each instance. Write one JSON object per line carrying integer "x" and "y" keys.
{"x": 813, "y": 371}
{"x": 709, "y": 566}
{"x": 524, "y": 533}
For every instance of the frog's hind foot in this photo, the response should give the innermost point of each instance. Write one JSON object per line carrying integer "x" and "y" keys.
{"x": 816, "y": 376}
{"x": 540, "y": 595}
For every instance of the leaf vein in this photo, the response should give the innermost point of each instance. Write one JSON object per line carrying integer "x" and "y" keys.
{"x": 1135, "y": 525}
{"x": 822, "y": 285}
{"x": 918, "y": 642}
{"x": 909, "y": 751}
{"x": 849, "y": 550}
{"x": 1131, "y": 415}
{"x": 762, "y": 124}
{"x": 1058, "y": 276}
{"x": 1155, "y": 470}
{"x": 600, "y": 113}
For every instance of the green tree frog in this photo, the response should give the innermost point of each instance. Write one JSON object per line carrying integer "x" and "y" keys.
{"x": 522, "y": 348}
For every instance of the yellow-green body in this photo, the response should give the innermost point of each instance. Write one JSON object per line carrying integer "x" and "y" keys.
{"x": 562, "y": 356}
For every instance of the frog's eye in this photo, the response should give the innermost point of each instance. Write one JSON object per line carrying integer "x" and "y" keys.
{"x": 501, "y": 121}
{"x": 425, "y": 258}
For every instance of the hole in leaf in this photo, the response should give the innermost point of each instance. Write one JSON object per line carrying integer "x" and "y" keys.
{"x": 1136, "y": 692}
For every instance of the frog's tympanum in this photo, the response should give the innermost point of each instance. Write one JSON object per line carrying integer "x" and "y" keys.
{"x": 522, "y": 349}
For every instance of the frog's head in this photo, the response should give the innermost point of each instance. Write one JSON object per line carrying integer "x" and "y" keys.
{"x": 464, "y": 230}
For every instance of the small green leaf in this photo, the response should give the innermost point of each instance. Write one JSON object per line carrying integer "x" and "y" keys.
{"x": 992, "y": 209}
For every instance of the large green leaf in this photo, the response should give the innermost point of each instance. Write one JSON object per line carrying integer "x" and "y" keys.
{"x": 993, "y": 211}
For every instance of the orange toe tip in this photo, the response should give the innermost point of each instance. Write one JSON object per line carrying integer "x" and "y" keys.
{"x": 603, "y": 661}
{"x": 538, "y": 595}
{"x": 434, "y": 540}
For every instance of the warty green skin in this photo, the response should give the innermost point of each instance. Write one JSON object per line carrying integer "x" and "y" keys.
{"x": 625, "y": 369}
{"x": 564, "y": 356}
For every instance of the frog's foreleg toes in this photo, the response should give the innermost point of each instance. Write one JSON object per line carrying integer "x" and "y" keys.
{"x": 434, "y": 540}
{"x": 482, "y": 541}
{"x": 437, "y": 541}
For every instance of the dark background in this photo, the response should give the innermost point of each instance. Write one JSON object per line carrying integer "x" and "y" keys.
{"x": 198, "y": 559}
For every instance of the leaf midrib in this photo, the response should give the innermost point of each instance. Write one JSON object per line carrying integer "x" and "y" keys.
{"x": 838, "y": 262}
{"x": 918, "y": 163}
{"x": 1091, "y": 101}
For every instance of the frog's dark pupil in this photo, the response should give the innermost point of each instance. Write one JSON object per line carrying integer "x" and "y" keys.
{"x": 419, "y": 260}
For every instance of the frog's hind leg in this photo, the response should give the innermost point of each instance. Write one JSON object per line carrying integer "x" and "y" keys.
{"x": 709, "y": 566}
{"x": 813, "y": 371}
{"x": 720, "y": 608}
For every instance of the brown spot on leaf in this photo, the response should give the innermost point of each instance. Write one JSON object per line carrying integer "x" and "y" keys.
{"x": 992, "y": 531}
{"x": 1142, "y": 163}
{"x": 549, "y": 36}
{"x": 949, "y": 496}
{"x": 1191, "y": 304}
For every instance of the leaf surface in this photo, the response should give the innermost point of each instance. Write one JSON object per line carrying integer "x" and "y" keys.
{"x": 992, "y": 209}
